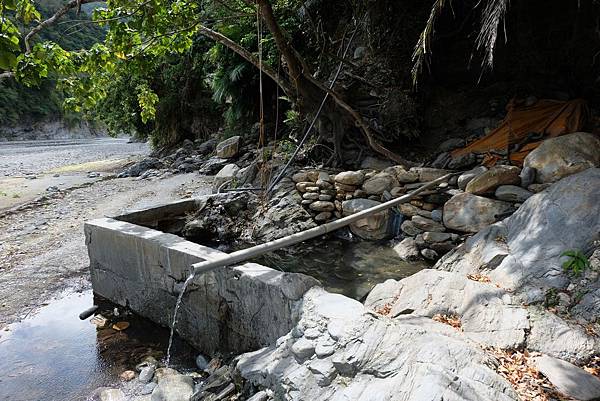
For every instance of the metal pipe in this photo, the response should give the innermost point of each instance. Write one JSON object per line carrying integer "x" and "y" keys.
{"x": 249, "y": 253}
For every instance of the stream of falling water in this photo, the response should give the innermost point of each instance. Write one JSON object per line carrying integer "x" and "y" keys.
{"x": 177, "y": 304}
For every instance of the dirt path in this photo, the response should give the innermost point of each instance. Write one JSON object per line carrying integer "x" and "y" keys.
{"x": 42, "y": 248}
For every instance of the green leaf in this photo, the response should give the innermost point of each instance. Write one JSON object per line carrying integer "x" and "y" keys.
{"x": 8, "y": 61}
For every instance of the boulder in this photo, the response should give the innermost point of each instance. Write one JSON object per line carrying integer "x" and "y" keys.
{"x": 372, "y": 357}
{"x": 173, "y": 388}
{"x": 484, "y": 316}
{"x": 470, "y": 213}
{"x": 565, "y": 155}
{"x": 493, "y": 178}
{"x": 569, "y": 379}
{"x": 425, "y": 224}
{"x": 379, "y": 183}
{"x": 212, "y": 166}
{"x": 527, "y": 176}
{"x": 407, "y": 250}
{"x": 207, "y": 147}
{"x": 227, "y": 173}
{"x": 427, "y": 174}
{"x": 229, "y": 147}
{"x": 527, "y": 259}
{"x": 373, "y": 227}
{"x": 353, "y": 178}
{"x": 512, "y": 193}
{"x": 465, "y": 178}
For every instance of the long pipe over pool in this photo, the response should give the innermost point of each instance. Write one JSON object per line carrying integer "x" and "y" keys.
{"x": 249, "y": 253}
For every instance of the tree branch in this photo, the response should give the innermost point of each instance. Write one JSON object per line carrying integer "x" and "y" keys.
{"x": 52, "y": 20}
{"x": 225, "y": 41}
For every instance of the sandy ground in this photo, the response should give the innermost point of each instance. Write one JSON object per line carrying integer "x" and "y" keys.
{"x": 42, "y": 245}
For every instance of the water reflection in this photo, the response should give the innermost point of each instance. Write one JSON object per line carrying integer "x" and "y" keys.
{"x": 53, "y": 355}
{"x": 347, "y": 267}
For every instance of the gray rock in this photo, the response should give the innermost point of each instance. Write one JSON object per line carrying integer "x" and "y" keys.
{"x": 227, "y": 173}
{"x": 283, "y": 217}
{"x": 425, "y": 224}
{"x": 402, "y": 175}
{"x": 432, "y": 237}
{"x": 201, "y": 362}
{"x": 512, "y": 193}
{"x": 173, "y": 388}
{"x": 303, "y": 349}
{"x": 527, "y": 176}
{"x": 429, "y": 254}
{"x": 373, "y": 227}
{"x": 437, "y": 215}
{"x": 409, "y": 228}
{"x": 212, "y": 166}
{"x": 427, "y": 174}
{"x": 322, "y": 206}
{"x": 379, "y": 183}
{"x": 228, "y": 148}
{"x": 485, "y": 318}
{"x": 493, "y": 178}
{"x": 569, "y": 379}
{"x": 146, "y": 374}
{"x": 323, "y": 217}
{"x": 462, "y": 161}
{"x": 565, "y": 155}
{"x": 407, "y": 250}
{"x": 377, "y": 358}
{"x": 470, "y": 213}
{"x": 207, "y": 147}
{"x": 260, "y": 396}
{"x": 353, "y": 178}
{"x": 465, "y": 178}
{"x": 148, "y": 388}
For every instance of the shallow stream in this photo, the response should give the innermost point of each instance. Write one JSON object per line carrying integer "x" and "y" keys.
{"x": 52, "y": 355}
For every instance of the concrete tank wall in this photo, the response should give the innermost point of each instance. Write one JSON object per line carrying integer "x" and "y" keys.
{"x": 233, "y": 309}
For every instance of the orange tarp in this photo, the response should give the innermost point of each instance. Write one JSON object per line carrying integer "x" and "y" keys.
{"x": 550, "y": 118}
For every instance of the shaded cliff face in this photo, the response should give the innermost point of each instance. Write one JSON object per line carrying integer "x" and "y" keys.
{"x": 546, "y": 49}
{"x": 50, "y": 130}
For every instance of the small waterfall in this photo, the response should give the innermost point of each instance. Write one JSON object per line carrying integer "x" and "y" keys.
{"x": 174, "y": 322}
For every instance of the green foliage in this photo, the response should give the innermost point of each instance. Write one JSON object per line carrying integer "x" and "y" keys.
{"x": 576, "y": 263}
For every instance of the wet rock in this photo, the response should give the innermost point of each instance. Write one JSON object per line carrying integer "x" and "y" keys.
{"x": 569, "y": 379}
{"x": 470, "y": 213}
{"x": 493, "y": 178}
{"x": 112, "y": 394}
{"x": 228, "y": 148}
{"x": 427, "y": 174}
{"x": 379, "y": 183}
{"x": 429, "y": 254}
{"x": 565, "y": 155}
{"x": 425, "y": 224}
{"x": 173, "y": 388}
{"x": 146, "y": 374}
{"x": 407, "y": 250}
{"x": 512, "y": 193}
{"x": 373, "y": 227}
{"x": 467, "y": 177}
{"x": 353, "y": 178}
